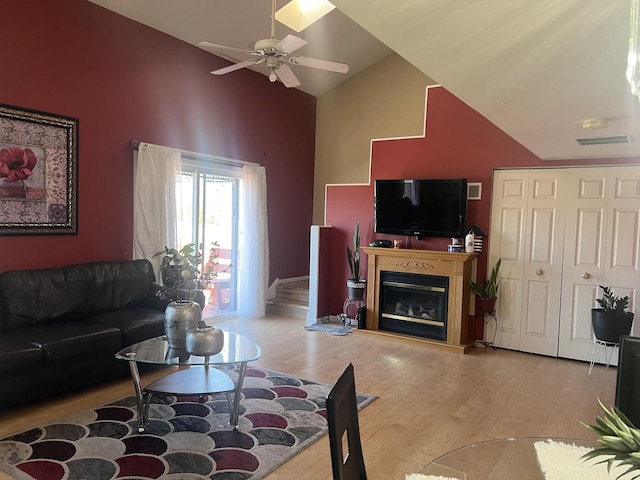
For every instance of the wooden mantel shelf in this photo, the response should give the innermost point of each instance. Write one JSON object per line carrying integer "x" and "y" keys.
{"x": 455, "y": 266}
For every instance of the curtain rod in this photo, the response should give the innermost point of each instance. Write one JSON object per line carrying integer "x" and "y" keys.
{"x": 197, "y": 155}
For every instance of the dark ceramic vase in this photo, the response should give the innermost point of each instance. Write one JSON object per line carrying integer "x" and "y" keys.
{"x": 356, "y": 289}
{"x": 610, "y": 326}
{"x": 488, "y": 305}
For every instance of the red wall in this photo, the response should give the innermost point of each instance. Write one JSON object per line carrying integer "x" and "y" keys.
{"x": 125, "y": 81}
{"x": 459, "y": 143}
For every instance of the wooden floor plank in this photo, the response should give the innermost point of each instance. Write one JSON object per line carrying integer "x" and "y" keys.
{"x": 430, "y": 400}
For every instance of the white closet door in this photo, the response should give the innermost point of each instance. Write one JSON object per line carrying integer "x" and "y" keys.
{"x": 584, "y": 258}
{"x": 561, "y": 233}
{"x": 527, "y": 225}
{"x": 622, "y": 270}
{"x": 601, "y": 248}
{"x": 542, "y": 274}
{"x": 506, "y": 239}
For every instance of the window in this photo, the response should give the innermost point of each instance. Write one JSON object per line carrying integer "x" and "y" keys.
{"x": 207, "y": 204}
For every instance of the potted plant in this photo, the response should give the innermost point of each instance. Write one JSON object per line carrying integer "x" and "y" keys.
{"x": 355, "y": 284}
{"x": 611, "y": 320}
{"x": 619, "y": 441}
{"x": 179, "y": 272}
{"x": 179, "y": 268}
{"x": 487, "y": 291}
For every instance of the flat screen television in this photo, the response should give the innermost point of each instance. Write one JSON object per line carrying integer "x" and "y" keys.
{"x": 421, "y": 207}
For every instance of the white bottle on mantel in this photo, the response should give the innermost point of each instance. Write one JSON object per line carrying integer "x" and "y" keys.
{"x": 469, "y": 242}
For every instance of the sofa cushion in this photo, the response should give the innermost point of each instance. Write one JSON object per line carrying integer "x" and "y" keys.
{"x": 70, "y": 339}
{"x": 73, "y": 292}
{"x": 135, "y": 324}
{"x": 18, "y": 357}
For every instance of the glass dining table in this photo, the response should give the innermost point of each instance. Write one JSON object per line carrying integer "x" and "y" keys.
{"x": 507, "y": 458}
{"x": 202, "y": 377}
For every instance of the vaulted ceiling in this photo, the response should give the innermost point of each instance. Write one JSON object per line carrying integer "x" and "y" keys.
{"x": 537, "y": 69}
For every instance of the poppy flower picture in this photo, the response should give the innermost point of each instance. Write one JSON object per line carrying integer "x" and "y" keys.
{"x": 38, "y": 172}
{"x": 21, "y": 172}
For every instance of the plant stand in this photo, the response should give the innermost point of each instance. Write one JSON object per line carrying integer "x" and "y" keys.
{"x": 485, "y": 342}
{"x": 350, "y": 304}
{"x": 609, "y": 348}
{"x": 608, "y": 327}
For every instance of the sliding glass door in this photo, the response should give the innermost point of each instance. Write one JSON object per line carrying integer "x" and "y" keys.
{"x": 207, "y": 204}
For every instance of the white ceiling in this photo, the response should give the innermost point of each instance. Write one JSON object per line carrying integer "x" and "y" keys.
{"x": 535, "y": 68}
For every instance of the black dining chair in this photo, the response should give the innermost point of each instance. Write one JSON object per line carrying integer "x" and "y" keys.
{"x": 628, "y": 379}
{"x": 347, "y": 460}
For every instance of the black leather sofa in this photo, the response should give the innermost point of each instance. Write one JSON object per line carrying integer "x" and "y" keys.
{"x": 60, "y": 327}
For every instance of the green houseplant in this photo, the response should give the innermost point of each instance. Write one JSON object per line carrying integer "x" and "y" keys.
{"x": 179, "y": 272}
{"x": 487, "y": 291}
{"x": 179, "y": 268}
{"x": 610, "y": 302}
{"x": 355, "y": 284}
{"x": 611, "y": 320}
{"x": 619, "y": 441}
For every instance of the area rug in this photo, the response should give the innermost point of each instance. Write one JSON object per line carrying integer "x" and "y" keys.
{"x": 330, "y": 328}
{"x": 187, "y": 438}
{"x": 331, "y": 324}
{"x": 562, "y": 461}
{"x": 420, "y": 476}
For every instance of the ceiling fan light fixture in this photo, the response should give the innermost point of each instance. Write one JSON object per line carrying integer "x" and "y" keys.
{"x": 594, "y": 124}
{"x": 299, "y": 14}
{"x": 275, "y": 54}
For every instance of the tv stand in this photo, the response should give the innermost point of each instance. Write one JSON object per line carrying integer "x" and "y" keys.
{"x": 455, "y": 266}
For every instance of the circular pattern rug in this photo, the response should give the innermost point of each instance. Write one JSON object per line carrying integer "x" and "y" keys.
{"x": 187, "y": 438}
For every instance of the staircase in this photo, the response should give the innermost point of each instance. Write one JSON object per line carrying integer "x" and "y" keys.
{"x": 291, "y": 300}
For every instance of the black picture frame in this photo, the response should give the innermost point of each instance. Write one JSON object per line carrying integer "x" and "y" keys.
{"x": 38, "y": 172}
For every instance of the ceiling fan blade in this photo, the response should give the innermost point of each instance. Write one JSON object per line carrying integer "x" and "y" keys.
{"x": 290, "y": 43}
{"x": 317, "y": 63}
{"x": 238, "y": 66}
{"x": 225, "y": 48}
{"x": 286, "y": 76}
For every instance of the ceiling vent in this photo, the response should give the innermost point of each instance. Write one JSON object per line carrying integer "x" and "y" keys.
{"x": 604, "y": 140}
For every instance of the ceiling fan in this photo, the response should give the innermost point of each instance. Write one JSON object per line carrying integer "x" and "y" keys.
{"x": 276, "y": 55}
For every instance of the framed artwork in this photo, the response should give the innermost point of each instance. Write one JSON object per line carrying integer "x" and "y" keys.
{"x": 38, "y": 172}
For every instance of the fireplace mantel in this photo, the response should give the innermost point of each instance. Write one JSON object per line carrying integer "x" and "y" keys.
{"x": 455, "y": 266}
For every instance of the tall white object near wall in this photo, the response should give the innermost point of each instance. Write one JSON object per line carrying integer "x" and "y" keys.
{"x": 314, "y": 274}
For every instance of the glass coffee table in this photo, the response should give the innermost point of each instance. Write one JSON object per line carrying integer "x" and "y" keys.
{"x": 201, "y": 378}
{"x": 505, "y": 458}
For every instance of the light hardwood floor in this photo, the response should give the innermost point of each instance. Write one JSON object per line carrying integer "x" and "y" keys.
{"x": 430, "y": 401}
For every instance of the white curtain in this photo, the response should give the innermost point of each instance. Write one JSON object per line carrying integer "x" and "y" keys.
{"x": 154, "y": 201}
{"x": 253, "y": 248}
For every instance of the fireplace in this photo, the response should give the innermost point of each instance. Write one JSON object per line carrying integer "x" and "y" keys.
{"x": 452, "y": 268}
{"x": 414, "y": 304}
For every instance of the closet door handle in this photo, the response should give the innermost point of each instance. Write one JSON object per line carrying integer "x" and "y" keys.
{"x": 539, "y": 271}
{"x": 586, "y": 275}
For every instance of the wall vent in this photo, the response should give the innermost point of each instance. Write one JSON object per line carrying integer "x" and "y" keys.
{"x": 604, "y": 140}
{"x": 474, "y": 191}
